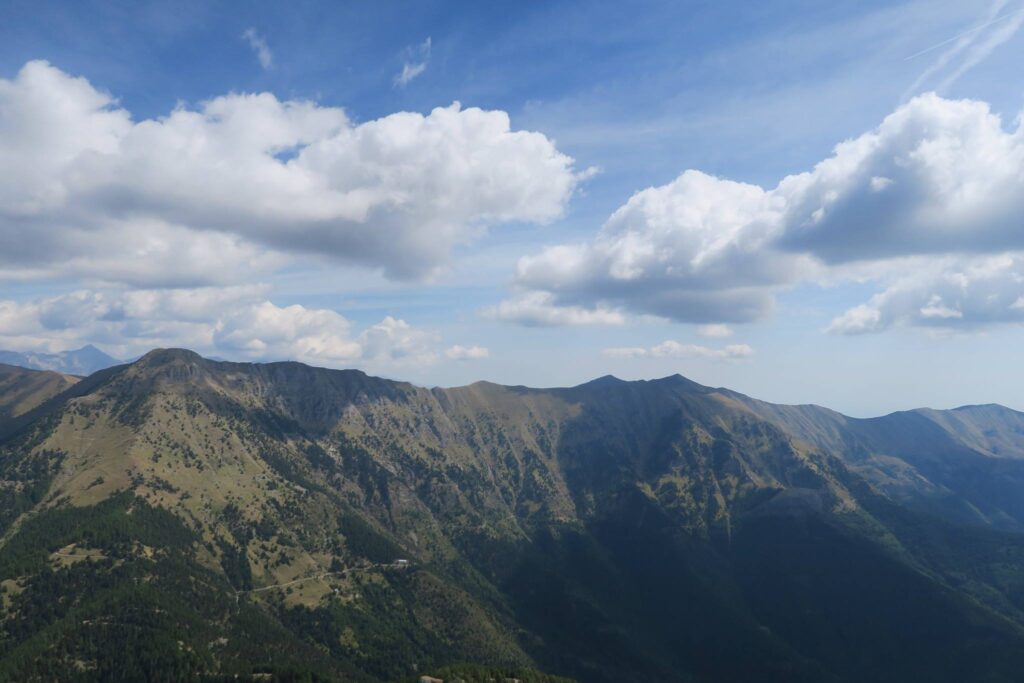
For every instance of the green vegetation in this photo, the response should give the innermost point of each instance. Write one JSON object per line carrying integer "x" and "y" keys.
{"x": 477, "y": 673}
{"x": 23, "y": 390}
{"x": 362, "y": 540}
{"x": 146, "y": 610}
{"x": 179, "y": 519}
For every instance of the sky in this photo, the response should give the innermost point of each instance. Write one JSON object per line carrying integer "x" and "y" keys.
{"x": 806, "y": 202}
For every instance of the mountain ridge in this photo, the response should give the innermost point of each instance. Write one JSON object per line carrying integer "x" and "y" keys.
{"x": 609, "y": 380}
{"x": 81, "y": 362}
{"x": 609, "y": 531}
{"x": 22, "y": 390}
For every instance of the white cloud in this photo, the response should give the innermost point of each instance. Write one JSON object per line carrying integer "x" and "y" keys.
{"x": 459, "y": 352}
{"x": 262, "y": 330}
{"x": 937, "y": 177}
{"x": 251, "y": 175}
{"x": 695, "y": 250}
{"x": 537, "y": 309}
{"x": 674, "y": 349}
{"x": 857, "y": 320}
{"x": 935, "y": 308}
{"x": 945, "y": 294}
{"x": 236, "y": 322}
{"x": 151, "y": 253}
{"x": 955, "y": 185}
{"x": 411, "y": 70}
{"x": 395, "y": 342}
{"x": 259, "y": 45}
{"x": 941, "y": 293}
{"x": 714, "y": 331}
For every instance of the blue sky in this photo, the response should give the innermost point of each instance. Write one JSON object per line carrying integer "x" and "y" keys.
{"x": 446, "y": 248}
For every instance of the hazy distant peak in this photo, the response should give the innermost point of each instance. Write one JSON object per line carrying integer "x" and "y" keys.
{"x": 83, "y": 361}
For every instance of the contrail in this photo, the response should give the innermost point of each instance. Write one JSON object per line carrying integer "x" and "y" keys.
{"x": 979, "y": 53}
{"x": 964, "y": 34}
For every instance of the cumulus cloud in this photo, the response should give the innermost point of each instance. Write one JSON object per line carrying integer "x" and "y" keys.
{"x": 251, "y": 174}
{"x": 411, "y": 69}
{"x": 127, "y": 321}
{"x": 395, "y": 342}
{"x": 697, "y": 250}
{"x": 948, "y": 294}
{"x": 674, "y": 349}
{"x": 459, "y": 352}
{"x": 264, "y": 330}
{"x": 937, "y": 177}
{"x": 235, "y": 322}
{"x": 538, "y": 309}
{"x": 259, "y": 45}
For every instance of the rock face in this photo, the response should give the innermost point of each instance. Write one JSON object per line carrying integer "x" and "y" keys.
{"x": 627, "y": 531}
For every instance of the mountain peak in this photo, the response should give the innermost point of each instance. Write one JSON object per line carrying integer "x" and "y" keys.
{"x": 157, "y": 356}
{"x": 90, "y": 349}
{"x": 604, "y": 381}
{"x": 679, "y": 380}
{"x": 169, "y": 365}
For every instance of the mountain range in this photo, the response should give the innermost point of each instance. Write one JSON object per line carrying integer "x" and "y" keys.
{"x": 179, "y": 517}
{"x": 83, "y": 361}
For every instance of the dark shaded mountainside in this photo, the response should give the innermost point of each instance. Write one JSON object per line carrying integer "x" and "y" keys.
{"x": 182, "y": 518}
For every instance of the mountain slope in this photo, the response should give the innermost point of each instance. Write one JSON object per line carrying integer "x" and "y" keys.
{"x": 628, "y": 531}
{"x": 964, "y": 465}
{"x": 22, "y": 390}
{"x": 990, "y": 429}
{"x": 83, "y": 361}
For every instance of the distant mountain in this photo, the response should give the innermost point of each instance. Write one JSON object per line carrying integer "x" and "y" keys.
{"x": 82, "y": 362}
{"x": 182, "y": 518}
{"x": 965, "y": 465}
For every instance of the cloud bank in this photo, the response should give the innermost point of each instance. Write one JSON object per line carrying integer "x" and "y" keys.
{"x": 947, "y": 294}
{"x": 939, "y": 182}
{"x": 237, "y": 322}
{"x": 245, "y": 178}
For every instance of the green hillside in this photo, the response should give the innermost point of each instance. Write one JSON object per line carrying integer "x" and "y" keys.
{"x": 182, "y": 518}
{"x": 22, "y": 390}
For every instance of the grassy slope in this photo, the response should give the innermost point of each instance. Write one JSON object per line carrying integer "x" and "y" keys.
{"x": 615, "y": 531}
{"x": 22, "y": 390}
